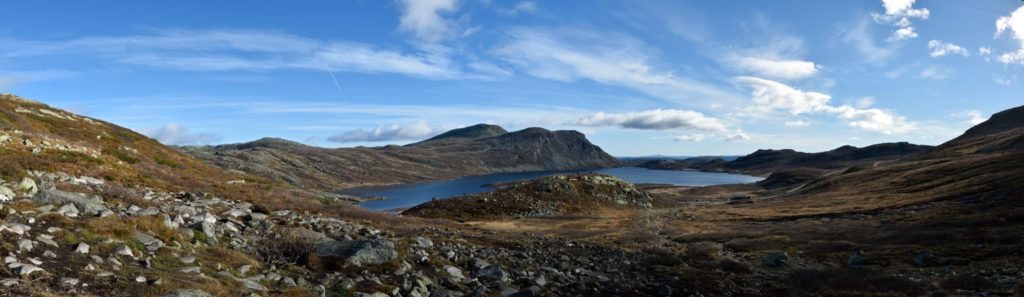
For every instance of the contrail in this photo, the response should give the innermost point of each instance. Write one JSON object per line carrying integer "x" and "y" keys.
{"x": 336, "y": 84}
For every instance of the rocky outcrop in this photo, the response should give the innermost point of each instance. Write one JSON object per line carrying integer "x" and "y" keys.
{"x": 480, "y": 149}
{"x": 84, "y": 204}
{"x": 545, "y": 196}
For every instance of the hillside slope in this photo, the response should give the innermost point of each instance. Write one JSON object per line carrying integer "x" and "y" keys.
{"x": 479, "y": 149}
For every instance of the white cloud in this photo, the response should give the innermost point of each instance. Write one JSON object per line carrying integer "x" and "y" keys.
{"x": 691, "y": 138}
{"x": 864, "y": 102}
{"x": 246, "y": 50}
{"x": 984, "y": 51}
{"x": 902, "y": 34}
{"x": 797, "y": 123}
{"x": 521, "y": 7}
{"x": 1014, "y": 23}
{"x": 571, "y": 55}
{"x": 1006, "y": 81}
{"x": 423, "y": 18}
{"x": 898, "y": 14}
{"x": 173, "y": 134}
{"x": 737, "y": 135}
{"x": 874, "y": 119}
{"x": 783, "y": 69}
{"x": 940, "y": 49}
{"x": 414, "y": 131}
{"x": 974, "y": 115}
{"x": 658, "y": 119}
{"x": 935, "y": 72}
{"x": 860, "y": 38}
{"x": 770, "y": 95}
{"x": 904, "y": 8}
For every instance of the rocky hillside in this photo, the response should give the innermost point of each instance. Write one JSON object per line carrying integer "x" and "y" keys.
{"x": 479, "y": 149}
{"x": 545, "y": 196}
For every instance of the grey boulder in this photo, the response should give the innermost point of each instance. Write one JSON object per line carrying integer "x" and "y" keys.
{"x": 82, "y": 202}
{"x": 358, "y": 252}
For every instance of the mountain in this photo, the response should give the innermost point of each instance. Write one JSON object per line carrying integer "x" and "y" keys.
{"x": 763, "y": 162}
{"x": 478, "y": 149}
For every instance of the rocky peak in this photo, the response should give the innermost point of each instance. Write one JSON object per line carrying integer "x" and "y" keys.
{"x": 1001, "y": 121}
{"x": 474, "y": 131}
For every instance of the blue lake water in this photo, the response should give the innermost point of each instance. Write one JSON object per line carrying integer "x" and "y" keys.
{"x": 412, "y": 194}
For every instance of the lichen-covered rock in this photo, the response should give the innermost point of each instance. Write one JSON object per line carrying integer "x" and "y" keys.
{"x": 82, "y": 202}
{"x": 358, "y": 252}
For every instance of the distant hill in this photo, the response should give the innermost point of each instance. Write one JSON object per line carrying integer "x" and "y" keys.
{"x": 764, "y": 162}
{"x": 478, "y": 149}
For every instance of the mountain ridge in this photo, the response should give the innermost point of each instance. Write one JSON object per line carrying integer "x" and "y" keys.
{"x": 477, "y": 149}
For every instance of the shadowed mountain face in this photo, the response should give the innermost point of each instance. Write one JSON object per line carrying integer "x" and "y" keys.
{"x": 764, "y": 162}
{"x": 479, "y": 149}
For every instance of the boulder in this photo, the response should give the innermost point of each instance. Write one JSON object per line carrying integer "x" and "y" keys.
{"x": 358, "y": 252}
{"x": 493, "y": 273}
{"x": 83, "y": 203}
{"x": 856, "y": 260}
{"x": 188, "y": 293}
{"x": 777, "y": 259}
{"x": 28, "y": 185}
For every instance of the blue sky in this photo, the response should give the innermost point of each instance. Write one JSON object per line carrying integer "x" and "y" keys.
{"x": 638, "y": 77}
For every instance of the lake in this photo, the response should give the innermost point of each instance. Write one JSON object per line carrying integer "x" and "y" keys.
{"x": 412, "y": 194}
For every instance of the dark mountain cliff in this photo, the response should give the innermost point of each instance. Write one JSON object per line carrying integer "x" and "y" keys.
{"x": 478, "y": 149}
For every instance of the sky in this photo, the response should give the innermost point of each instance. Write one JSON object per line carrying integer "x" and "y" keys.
{"x": 681, "y": 78}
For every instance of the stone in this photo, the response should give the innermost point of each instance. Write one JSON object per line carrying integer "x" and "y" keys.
{"x": 777, "y": 259}
{"x": 922, "y": 259}
{"x": 236, "y": 212}
{"x": 665, "y": 290}
{"x": 187, "y": 259}
{"x": 188, "y": 293}
{"x": 151, "y": 243}
{"x": 84, "y": 204}
{"x": 190, "y": 269}
{"x": 82, "y": 248}
{"x": 47, "y": 239}
{"x": 140, "y": 279}
{"x": 68, "y": 209}
{"x": 25, "y": 244}
{"x": 9, "y": 282}
{"x": 454, "y": 272}
{"x": 856, "y": 260}
{"x": 124, "y": 250}
{"x": 69, "y": 281}
{"x": 424, "y": 242}
{"x": 244, "y": 269}
{"x": 493, "y": 273}
{"x": 358, "y": 252}
{"x": 5, "y": 191}
{"x": 49, "y": 254}
{"x": 539, "y": 281}
{"x": 28, "y": 185}
{"x": 251, "y": 285}
{"x": 26, "y": 269}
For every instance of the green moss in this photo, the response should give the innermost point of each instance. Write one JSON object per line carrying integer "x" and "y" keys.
{"x": 165, "y": 162}
{"x": 123, "y": 156}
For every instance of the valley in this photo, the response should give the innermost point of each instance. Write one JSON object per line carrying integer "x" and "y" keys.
{"x": 94, "y": 209}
